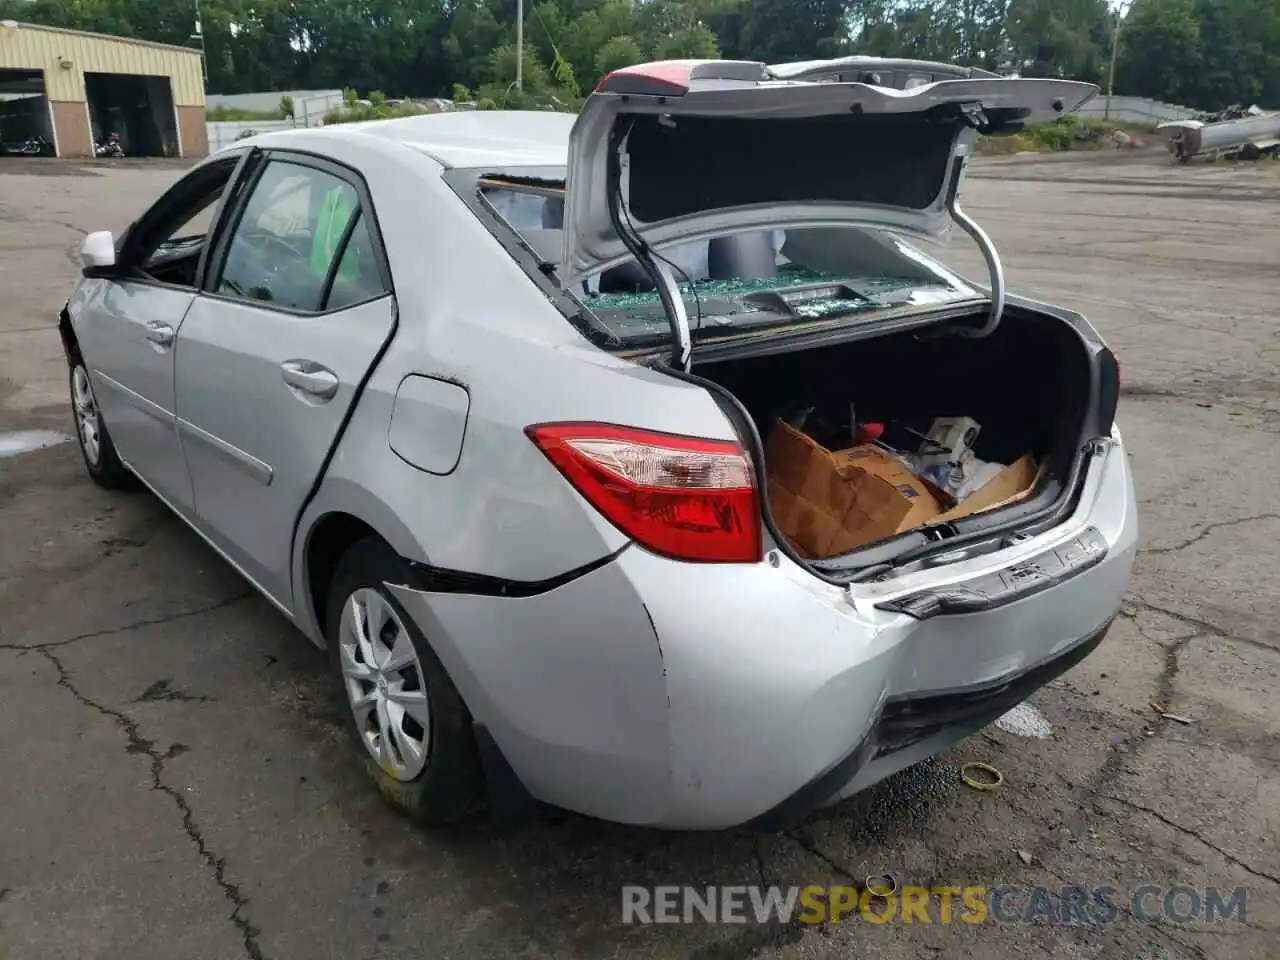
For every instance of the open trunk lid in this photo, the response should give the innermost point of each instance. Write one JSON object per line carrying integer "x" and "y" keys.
{"x": 682, "y": 151}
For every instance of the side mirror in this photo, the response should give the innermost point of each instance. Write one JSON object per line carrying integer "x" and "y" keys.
{"x": 98, "y": 254}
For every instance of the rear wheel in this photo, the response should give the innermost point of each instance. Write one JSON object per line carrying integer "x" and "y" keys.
{"x": 100, "y": 457}
{"x": 411, "y": 727}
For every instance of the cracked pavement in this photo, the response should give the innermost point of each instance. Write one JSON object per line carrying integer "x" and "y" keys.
{"x": 176, "y": 782}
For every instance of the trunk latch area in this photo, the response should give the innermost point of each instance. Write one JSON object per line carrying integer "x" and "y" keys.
{"x": 1033, "y": 575}
{"x": 974, "y": 115}
{"x": 939, "y": 532}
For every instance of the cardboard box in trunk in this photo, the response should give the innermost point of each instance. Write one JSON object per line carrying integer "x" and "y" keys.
{"x": 831, "y": 502}
{"x": 1011, "y": 484}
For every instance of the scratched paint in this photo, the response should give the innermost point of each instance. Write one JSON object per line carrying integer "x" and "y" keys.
{"x": 1024, "y": 720}
{"x": 15, "y": 442}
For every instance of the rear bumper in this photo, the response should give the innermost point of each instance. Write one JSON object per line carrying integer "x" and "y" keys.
{"x": 910, "y": 728}
{"x": 711, "y": 696}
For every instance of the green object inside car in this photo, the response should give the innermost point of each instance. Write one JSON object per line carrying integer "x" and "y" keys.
{"x": 336, "y": 210}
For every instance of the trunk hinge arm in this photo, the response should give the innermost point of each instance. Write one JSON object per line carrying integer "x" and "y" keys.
{"x": 682, "y": 350}
{"x": 995, "y": 269}
{"x": 657, "y": 268}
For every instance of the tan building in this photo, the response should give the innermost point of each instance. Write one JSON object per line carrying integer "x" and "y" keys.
{"x": 71, "y": 87}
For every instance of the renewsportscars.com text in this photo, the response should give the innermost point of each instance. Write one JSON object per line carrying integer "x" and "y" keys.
{"x": 1066, "y": 905}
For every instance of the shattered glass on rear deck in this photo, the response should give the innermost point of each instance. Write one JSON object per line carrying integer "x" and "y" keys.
{"x": 714, "y": 289}
{"x": 732, "y": 294}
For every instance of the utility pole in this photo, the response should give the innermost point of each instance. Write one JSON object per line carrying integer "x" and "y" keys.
{"x": 199, "y": 35}
{"x": 1115, "y": 49}
{"x": 519, "y": 44}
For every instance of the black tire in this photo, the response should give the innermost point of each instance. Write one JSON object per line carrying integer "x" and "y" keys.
{"x": 106, "y": 470}
{"x": 451, "y": 787}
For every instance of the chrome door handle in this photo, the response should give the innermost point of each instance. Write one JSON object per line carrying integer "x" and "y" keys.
{"x": 160, "y": 333}
{"x": 310, "y": 378}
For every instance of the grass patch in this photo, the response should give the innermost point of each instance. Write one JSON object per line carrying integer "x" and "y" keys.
{"x": 221, "y": 114}
{"x": 1069, "y": 133}
{"x": 355, "y": 110}
{"x": 358, "y": 113}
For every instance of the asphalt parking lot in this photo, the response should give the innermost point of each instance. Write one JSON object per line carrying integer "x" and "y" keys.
{"x": 174, "y": 782}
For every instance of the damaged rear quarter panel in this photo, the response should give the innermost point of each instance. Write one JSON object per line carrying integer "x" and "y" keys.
{"x": 579, "y": 705}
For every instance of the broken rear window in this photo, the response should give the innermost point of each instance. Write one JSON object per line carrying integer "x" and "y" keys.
{"x": 729, "y": 284}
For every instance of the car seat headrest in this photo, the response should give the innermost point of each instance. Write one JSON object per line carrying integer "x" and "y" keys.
{"x": 743, "y": 256}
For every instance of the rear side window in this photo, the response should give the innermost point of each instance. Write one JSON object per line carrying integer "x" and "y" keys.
{"x": 357, "y": 278}
{"x": 302, "y": 243}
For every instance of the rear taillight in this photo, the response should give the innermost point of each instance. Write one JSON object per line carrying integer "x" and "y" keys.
{"x": 682, "y": 497}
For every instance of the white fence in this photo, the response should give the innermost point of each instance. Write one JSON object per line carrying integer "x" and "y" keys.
{"x": 270, "y": 100}
{"x": 225, "y": 132}
{"x": 1135, "y": 110}
{"x": 309, "y": 108}
{"x": 310, "y": 111}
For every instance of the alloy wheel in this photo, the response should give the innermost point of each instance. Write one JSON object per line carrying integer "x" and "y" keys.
{"x": 86, "y": 411}
{"x": 384, "y": 682}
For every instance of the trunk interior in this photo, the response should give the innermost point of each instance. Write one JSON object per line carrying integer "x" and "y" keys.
{"x": 1028, "y": 386}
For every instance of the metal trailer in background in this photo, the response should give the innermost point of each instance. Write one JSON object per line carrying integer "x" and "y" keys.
{"x": 1248, "y": 137}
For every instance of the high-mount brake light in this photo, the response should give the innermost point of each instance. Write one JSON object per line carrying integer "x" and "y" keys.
{"x": 673, "y": 78}
{"x": 669, "y": 78}
{"x": 686, "y": 498}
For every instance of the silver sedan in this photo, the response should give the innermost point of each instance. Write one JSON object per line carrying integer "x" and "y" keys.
{"x": 477, "y": 401}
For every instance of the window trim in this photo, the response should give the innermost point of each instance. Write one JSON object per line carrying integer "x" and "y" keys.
{"x": 364, "y": 208}
{"x": 326, "y": 292}
{"x": 466, "y": 183}
{"x": 230, "y": 198}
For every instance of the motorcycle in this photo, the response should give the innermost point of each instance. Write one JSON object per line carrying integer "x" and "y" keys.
{"x": 35, "y": 146}
{"x": 109, "y": 147}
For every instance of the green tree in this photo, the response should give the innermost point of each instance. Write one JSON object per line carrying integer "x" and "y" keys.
{"x": 694, "y": 42}
{"x": 780, "y": 30}
{"x": 1205, "y": 53}
{"x": 1160, "y": 52}
{"x": 1240, "y": 52}
{"x": 587, "y": 33}
{"x": 618, "y": 53}
{"x": 1061, "y": 38}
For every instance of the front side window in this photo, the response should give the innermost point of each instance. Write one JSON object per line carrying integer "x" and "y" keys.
{"x": 290, "y": 235}
{"x": 173, "y": 233}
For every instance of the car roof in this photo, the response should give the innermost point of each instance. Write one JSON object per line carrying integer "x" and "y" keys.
{"x": 465, "y": 138}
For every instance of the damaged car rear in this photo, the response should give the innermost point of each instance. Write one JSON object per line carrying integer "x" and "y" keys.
{"x": 918, "y": 510}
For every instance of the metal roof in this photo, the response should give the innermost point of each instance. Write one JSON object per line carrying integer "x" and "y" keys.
{"x": 23, "y": 25}
{"x": 65, "y": 56}
{"x": 470, "y": 138}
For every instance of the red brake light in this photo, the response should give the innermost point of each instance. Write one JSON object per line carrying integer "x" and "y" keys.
{"x": 672, "y": 78}
{"x": 663, "y": 78}
{"x": 681, "y": 497}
